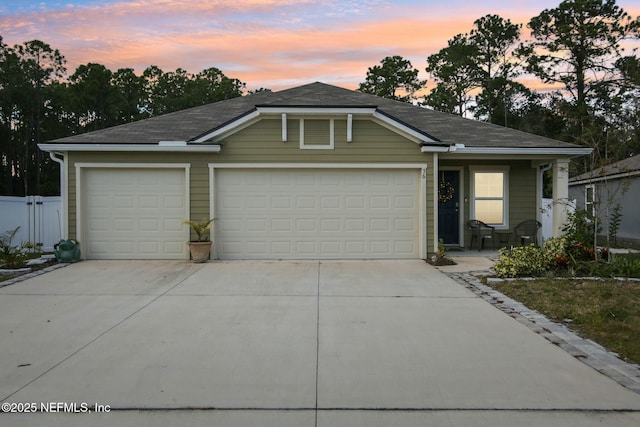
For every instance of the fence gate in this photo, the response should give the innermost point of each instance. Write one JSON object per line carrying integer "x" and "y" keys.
{"x": 39, "y": 219}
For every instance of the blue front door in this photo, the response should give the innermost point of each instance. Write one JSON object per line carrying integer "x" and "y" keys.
{"x": 449, "y": 207}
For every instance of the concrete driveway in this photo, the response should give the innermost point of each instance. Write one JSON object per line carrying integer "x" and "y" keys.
{"x": 284, "y": 344}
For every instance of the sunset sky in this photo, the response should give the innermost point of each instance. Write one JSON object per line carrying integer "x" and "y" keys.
{"x": 265, "y": 43}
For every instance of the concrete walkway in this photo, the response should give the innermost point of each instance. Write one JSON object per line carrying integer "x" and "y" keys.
{"x": 284, "y": 344}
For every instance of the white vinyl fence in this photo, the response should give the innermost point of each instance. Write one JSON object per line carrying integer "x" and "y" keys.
{"x": 546, "y": 217}
{"x": 39, "y": 219}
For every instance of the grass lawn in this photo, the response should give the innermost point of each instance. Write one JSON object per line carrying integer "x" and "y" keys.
{"x": 606, "y": 311}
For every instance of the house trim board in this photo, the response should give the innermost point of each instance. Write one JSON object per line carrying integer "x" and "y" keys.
{"x": 155, "y": 148}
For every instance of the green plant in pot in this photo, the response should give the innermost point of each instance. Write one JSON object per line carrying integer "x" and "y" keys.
{"x": 200, "y": 248}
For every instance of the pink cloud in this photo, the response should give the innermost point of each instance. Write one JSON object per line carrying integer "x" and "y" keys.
{"x": 269, "y": 43}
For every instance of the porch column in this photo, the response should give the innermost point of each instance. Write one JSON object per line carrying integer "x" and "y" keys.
{"x": 436, "y": 162}
{"x": 560, "y": 194}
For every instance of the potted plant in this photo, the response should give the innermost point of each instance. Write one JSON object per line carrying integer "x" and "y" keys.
{"x": 200, "y": 248}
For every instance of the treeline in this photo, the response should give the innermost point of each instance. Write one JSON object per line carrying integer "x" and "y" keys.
{"x": 39, "y": 102}
{"x": 576, "y": 47}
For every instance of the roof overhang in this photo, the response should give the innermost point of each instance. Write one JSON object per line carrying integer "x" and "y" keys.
{"x": 600, "y": 178}
{"x": 253, "y": 116}
{"x": 461, "y": 149}
{"x": 441, "y": 148}
{"x": 163, "y": 146}
{"x": 229, "y": 128}
{"x": 316, "y": 110}
{"x": 414, "y": 134}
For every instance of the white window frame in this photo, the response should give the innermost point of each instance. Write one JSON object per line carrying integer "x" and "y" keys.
{"x": 329, "y": 146}
{"x": 590, "y": 205}
{"x": 473, "y": 170}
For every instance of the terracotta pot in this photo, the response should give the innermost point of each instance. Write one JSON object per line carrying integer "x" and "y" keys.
{"x": 200, "y": 251}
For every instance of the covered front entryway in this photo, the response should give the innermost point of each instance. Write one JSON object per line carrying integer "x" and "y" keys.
{"x": 133, "y": 213}
{"x": 311, "y": 213}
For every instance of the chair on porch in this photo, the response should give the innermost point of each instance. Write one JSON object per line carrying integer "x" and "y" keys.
{"x": 481, "y": 232}
{"x": 527, "y": 231}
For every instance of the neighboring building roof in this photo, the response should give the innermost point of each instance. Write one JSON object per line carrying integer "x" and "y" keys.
{"x": 188, "y": 125}
{"x": 623, "y": 168}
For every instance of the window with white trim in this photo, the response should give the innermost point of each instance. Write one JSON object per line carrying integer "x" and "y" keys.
{"x": 489, "y": 195}
{"x": 590, "y": 199}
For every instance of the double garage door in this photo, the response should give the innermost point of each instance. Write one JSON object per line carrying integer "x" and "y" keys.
{"x": 317, "y": 213}
{"x": 260, "y": 213}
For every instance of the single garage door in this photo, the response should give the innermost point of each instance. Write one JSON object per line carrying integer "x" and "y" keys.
{"x": 317, "y": 214}
{"x": 133, "y": 213}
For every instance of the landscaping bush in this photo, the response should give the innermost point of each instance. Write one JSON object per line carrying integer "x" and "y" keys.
{"x": 533, "y": 261}
{"x": 579, "y": 229}
{"x": 593, "y": 268}
{"x": 555, "y": 253}
{"x": 572, "y": 254}
{"x": 11, "y": 256}
{"x": 626, "y": 267}
{"x": 579, "y": 234}
{"x": 440, "y": 257}
{"x": 521, "y": 261}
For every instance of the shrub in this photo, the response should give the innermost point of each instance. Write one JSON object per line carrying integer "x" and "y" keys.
{"x": 626, "y": 267}
{"x": 579, "y": 229}
{"x": 567, "y": 254}
{"x": 614, "y": 224}
{"x": 594, "y": 269}
{"x": 533, "y": 261}
{"x": 440, "y": 257}
{"x": 580, "y": 233}
{"x": 521, "y": 261}
{"x": 555, "y": 252}
{"x": 11, "y": 256}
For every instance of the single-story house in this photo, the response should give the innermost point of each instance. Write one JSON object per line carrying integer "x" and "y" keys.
{"x": 312, "y": 172}
{"x": 601, "y": 190}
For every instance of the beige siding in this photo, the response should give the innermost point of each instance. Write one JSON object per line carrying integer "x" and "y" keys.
{"x": 262, "y": 143}
{"x": 522, "y": 193}
{"x": 372, "y": 143}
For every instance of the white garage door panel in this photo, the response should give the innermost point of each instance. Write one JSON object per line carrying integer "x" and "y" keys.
{"x": 316, "y": 214}
{"x": 134, "y": 213}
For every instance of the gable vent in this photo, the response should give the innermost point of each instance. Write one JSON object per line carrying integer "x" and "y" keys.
{"x": 316, "y": 134}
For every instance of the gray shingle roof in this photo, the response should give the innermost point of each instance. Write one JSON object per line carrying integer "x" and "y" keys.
{"x": 631, "y": 164}
{"x": 189, "y": 124}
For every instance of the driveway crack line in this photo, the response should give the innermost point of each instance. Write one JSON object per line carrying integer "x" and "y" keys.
{"x": 317, "y": 339}
{"x": 100, "y": 335}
